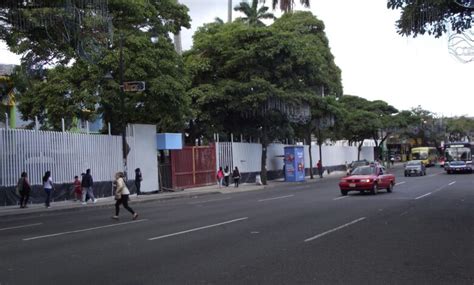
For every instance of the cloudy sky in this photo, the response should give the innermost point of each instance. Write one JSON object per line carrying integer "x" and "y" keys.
{"x": 376, "y": 62}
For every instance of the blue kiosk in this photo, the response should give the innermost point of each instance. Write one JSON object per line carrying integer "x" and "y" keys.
{"x": 294, "y": 163}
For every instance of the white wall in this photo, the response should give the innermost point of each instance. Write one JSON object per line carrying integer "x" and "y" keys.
{"x": 144, "y": 156}
{"x": 247, "y": 156}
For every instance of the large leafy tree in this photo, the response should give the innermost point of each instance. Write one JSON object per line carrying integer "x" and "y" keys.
{"x": 460, "y": 128}
{"x": 75, "y": 82}
{"x": 246, "y": 79}
{"x": 287, "y": 5}
{"x": 432, "y": 17}
{"x": 253, "y": 14}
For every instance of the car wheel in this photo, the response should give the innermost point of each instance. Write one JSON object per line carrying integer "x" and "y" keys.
{"x": 406, "y": 174}
{"x": 449, "y": 171}
{"x": 374, "y": 189}
{"x": 390, "y": 187}
{"x": 344, "y": 192}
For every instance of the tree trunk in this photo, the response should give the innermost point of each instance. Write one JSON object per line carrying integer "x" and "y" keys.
{"x": 310, "y": 157}
{"x": 263, "y": 171}
{"x": 320, "y": 144}
{"x": 359, "y": 148}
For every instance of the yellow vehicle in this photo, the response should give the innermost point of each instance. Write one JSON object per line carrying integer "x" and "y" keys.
{"x": 428, "y": 155}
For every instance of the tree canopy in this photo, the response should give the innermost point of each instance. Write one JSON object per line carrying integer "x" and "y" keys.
{"x": 431, "y": 17}
{"x": 253, "y": 14}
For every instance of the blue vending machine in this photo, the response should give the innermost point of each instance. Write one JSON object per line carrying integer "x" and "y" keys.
{"x": 294, "y": 163}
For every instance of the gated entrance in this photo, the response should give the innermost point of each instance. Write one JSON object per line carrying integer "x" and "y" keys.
{"x": 193, "y": 166}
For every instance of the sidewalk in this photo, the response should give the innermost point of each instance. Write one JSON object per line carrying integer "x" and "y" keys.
{"x": 69, "y": 205}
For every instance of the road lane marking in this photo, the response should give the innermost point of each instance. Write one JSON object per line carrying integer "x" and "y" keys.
{"x": 275, "y": 198}
{"x": 404, "y": 213}
{"x": 198, "y": 229}
{"x": 19, "y": 227}
{"x": 83, "y": 230}
{"x": 335, "y": 229}
{"x": 342, "y": 197}
{"x": 419, "y": 197}
{"x": 207, "y": 201}
{"x": 452, "y": 183}
{"x": 400, "y": 183}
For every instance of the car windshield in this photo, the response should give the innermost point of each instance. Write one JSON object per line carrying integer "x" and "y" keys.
{"x": 457, "y": 163}
{"x": 358, "y": 163}
{"x": 413, "y": 163}
{"x": 364, "y": 170}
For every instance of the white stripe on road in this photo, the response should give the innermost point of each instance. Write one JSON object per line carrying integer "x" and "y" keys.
{"x": 275, "y": 198}
{"x": 19, "y": 227}
{"x": 342, "y": 197}
{"x": 335, "y": 229}
{"x": 207, "y": 201}
{"x": 452, "y": 183}
{"x": 197, "y": 229}
{"x": 401, "y": 182}
{"x": 83, "y": 230}
{"x": 419, "y": 197}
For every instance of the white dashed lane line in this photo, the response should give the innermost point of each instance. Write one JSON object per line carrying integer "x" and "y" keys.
{"x": 333, "y": 230}
{"x": 20, "y": 227}
{"x": 400, "y": 183}
{"x": 424, "y": 195}
{"x": 198, "y": 229}
{"x": 83, "y": 230}
{"x": 339, "y": 198}
{"x": 276, "y": 198}
{"x": 452, "y": 183}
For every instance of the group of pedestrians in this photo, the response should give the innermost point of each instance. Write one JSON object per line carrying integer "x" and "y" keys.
{"x": 223, "y": 177}
{"x": 82, "y": 190}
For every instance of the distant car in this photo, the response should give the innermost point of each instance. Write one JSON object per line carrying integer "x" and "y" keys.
{"x": 367, "y": 178}
{"x": 441, "y": 162}
{"x": 355, "y": 164}
{"x": 457, "y": 167}
{"x": 415, "y": 167}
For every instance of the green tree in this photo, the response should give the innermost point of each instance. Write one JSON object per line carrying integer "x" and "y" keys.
{"x": 287, "y": 5}
{"x": 253, "y": 14}
{"x": 78, "y": 90}
{"x": 460, "y": 128}
{"x": 431, "y": 17}
{"x": 246, "y": 79}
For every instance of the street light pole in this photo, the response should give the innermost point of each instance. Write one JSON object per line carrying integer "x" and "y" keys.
{"x": 122, "y": 107}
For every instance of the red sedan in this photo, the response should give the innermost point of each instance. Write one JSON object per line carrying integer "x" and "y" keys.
{"x": 367, "y": 178}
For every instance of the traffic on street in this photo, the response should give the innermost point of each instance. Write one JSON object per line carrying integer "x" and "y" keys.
{"x": 293, "y": 233}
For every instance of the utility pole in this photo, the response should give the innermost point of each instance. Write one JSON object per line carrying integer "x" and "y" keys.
{"x": 122, "y": 107}
{"x": 229, "y": 11}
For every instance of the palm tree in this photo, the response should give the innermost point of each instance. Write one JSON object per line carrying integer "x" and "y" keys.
{"x": 287, "y": 5}
{"x": 253, "y": 14}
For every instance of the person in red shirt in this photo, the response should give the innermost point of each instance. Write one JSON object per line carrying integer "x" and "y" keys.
{"x": 77, "y": 189}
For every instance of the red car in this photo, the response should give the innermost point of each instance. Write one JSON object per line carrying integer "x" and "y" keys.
{"x": 367, "y": 178}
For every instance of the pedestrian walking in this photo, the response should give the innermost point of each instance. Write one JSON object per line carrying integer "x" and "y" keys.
{"x": 48, "y": 187}
{"x": 121, "y": 196}
{"x": 236, "y": 176}
{"x": 87, "y": 183}
{"x": 319, "y": 165}
{"x": 23, "y": 188}
{"x": 226, "y": 175}
{"x": 77, "y": 188}
{"x": 220, "y": 177}
{"x": 138, "y": 180}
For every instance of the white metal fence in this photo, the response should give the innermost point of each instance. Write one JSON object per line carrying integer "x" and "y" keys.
{"x": 248, "y": 156}
{"x": 64, "y": 154}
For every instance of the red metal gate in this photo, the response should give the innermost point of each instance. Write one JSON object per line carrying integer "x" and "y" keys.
{"x": 193, "y": 166}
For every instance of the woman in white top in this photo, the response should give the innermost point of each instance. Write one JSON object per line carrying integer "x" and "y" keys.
{"x": 121, "y": 196}
{"x": 48, "y": 187}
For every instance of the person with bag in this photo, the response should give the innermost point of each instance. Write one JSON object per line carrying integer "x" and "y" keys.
{"x": 23, "y": 188}
{"x": 87, "y": 183}
{"x": 236, "y": 177}
{"x": 121, "y": 196}
{"x": 48, "y": 187}
{"x": 226, "y": 176}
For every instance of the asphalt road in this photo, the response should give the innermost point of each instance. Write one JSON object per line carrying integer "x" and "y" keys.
{"x": 422, "y": 233}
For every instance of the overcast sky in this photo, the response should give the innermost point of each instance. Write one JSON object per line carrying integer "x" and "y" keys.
{"x": 376, "y": 62}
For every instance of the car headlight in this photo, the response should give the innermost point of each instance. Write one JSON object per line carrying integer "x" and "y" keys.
{"x": 365, "y": 180}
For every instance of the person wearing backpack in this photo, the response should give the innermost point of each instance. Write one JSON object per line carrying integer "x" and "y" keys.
{"x": 23, "y": 188}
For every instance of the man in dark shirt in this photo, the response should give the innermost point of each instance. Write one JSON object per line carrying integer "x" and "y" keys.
{"x": 87, "y": 183}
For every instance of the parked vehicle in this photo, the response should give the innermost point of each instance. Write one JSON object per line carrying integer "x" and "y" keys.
{"x": 367, "y": 178}
{"x": 458, "y": 166}
{"x": 415, "y": 167}
{"x": 355, "y": 164}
